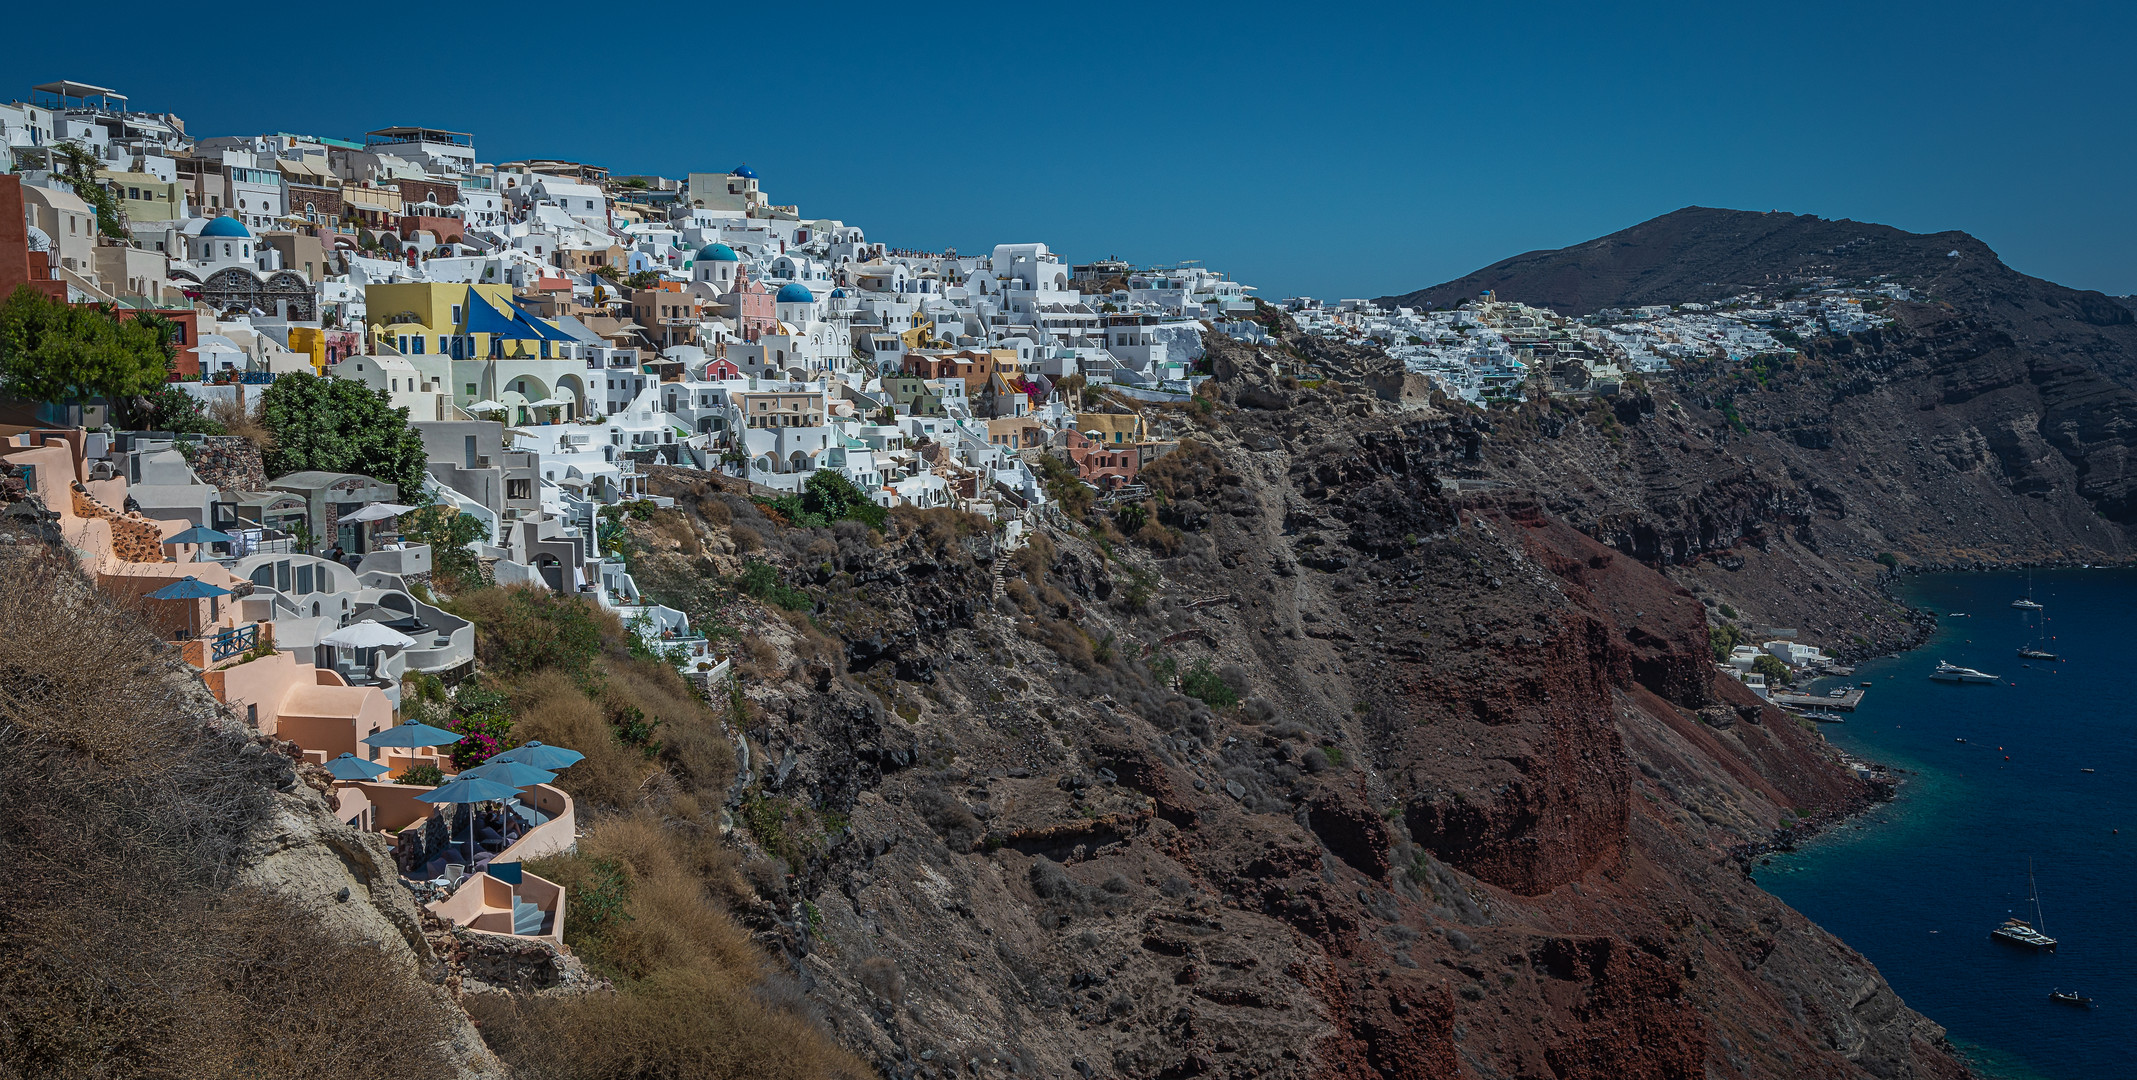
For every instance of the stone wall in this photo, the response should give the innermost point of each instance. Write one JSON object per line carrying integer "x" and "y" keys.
{"x": 133, "y": 538}
{"x": 231, "y": 463}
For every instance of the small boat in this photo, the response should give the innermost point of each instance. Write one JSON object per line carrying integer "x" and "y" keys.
{"x": 2026, "y": 603}
{"x": 2084, "y": 770}
{"x": 2019, "y": 932}
{"x": 1826, "y": 717}
{"x": 2031, "y": 653}
{"x": 2070, "y": 997}
{"x": 1949, "y": 672}
{"x": 1956, "y": 615}
{"x": 1866, "y": 686}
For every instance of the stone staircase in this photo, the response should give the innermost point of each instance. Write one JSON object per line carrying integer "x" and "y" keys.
{"x": 526, "y": 918}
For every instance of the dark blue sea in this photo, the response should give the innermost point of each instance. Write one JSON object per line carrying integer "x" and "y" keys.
{"x": 1917, "y": 885}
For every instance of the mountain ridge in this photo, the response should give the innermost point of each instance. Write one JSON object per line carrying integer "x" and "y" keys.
{"x": 1702, "y": 253}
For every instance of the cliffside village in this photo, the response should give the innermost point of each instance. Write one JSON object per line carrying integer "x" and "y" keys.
{"x": 1489, "y": 350}
{"x": 552, "y": 329}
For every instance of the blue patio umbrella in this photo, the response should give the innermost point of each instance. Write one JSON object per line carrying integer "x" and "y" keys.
{"x": 351, "y": 767}
{"x": 412, "y": 734}
{"x": 468, "y": 789}
{"x": 200, "y": 535}
{"x": 541, "y": 756}
{"x": 515, "y": 773}
{"x": 191, "y": 588}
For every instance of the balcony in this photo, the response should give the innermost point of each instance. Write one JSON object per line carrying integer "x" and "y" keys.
{"x": 494, "y": 904}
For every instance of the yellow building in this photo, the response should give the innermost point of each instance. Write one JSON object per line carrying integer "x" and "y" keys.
{"x": 464, "y": 322}
{"x": 145, "y": 198}
{"x": 1113, "y": 429}
{"x": 482, "y": 344}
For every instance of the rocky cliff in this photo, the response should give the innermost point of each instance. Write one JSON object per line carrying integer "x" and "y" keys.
{"x": 1992, "y": 423}
{"x": 1305, "y": 767}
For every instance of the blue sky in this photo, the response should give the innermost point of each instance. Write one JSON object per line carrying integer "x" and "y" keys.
{"x": 1327, "y": 149}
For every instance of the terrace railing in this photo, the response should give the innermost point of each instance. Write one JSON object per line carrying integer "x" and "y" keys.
{"x": 233, "y": 641}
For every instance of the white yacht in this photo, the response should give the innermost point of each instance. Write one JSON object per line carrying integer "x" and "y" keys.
{"x": 1950, "y": 672}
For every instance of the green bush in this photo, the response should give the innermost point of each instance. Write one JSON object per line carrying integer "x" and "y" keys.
{"x": 423, "y": 775}
{"x": 1204, "y": 684}
{"x": 522, "y": 629}
{"x": 826, "y": 498}
{"x": 761, "y": 580}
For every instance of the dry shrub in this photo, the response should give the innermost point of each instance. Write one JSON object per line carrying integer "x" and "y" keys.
{"x": 1066, "y": 639}
{"x": 552, "y": 708}
{"x": 939, "y": 531}
{"x": 238, "y": 986}
{"x": 1159, "y": 539}
{"x": 683, "y": 1022}
{"x": 692, "y": 744}
{"x": 694, "y": 1000}
{"x": 714, "y": 511}
{"x": 242, "y": 422}
{"x": 522, "y": 629}
{"x": 123, "y": 813}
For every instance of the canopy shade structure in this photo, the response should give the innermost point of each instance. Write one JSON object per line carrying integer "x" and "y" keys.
{"x": 412, "y": 735}
{"x": 368, "y": 634}
{"x": 199, "y": 535}
{"x": 541, "y": 755}
{"x": 351, "y": 767}
{"x": 547, "y": 403}
{"x": 375, "y": 512}
{"x": 485, "y": 405}
{"x": 188, "y": 589}
{"x": 469, "y": 789}
{"x": 510, "y": 772}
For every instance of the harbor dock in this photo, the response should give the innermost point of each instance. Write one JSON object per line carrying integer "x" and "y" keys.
{"x": 1844, "y": 703}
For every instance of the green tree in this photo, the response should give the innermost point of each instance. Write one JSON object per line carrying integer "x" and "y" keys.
{"x": 338, "y": 425}
{"x": 643, "y": 279}
{"x": 56, "y": 352}
{"x": 1770, "y": 666}
{"x": 828, "y": 497}
{"x": 83, "y": 171}
{"x": 172, "y": 409}
{"x": 448, "y": 532}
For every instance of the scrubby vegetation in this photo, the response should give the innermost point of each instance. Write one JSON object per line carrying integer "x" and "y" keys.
{"x": 694, "y": 998}
{"x": 125, "y": 948}
{"x": 652, "y": 882}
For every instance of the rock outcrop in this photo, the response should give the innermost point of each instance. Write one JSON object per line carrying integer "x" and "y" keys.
{"x": 1455, "y": 793}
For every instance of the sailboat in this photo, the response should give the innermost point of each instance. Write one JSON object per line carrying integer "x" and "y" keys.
{"x": 2032, "y": 650}
{"x": 2021, "y": 933}
{"x": 2026, "y": 601}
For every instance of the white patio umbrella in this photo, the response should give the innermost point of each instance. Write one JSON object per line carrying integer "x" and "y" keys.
{"x": 368, "y": 634}
{"x": 375, "y": 512}
{"x": 485, "y": 405}
{"x": 546, "y": 403}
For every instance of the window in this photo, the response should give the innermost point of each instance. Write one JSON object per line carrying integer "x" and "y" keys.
{"x": 471, "y": 389}
{"x": 456, "y": 314}
{"x": 304, "y": 579}
{"x": 417, "y": 341}
{"x": 468, "y": 451}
